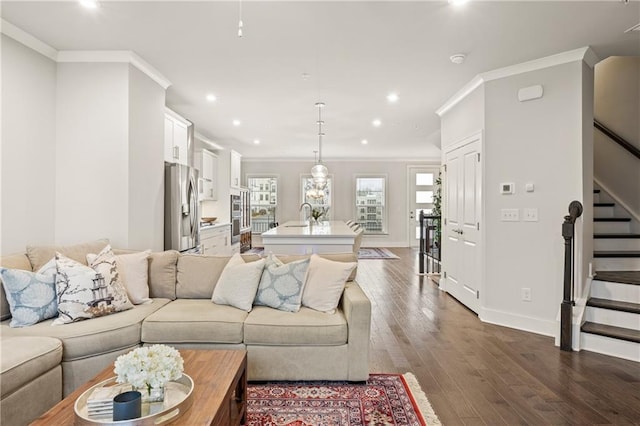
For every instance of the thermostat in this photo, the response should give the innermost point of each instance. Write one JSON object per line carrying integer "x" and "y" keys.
{"x": 507, "y": 188}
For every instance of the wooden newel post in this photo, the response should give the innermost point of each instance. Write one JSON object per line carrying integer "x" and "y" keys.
{"x": 566, "y": 308}
{"x": 422, "y": 243}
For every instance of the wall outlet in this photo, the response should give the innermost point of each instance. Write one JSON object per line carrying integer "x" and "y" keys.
{"x": 526, "y": 294}
{"x": 530, "y": 215}
{"x": 509, "y": 215}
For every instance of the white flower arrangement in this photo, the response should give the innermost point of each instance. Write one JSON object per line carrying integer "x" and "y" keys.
{"x": 149, "y": 367}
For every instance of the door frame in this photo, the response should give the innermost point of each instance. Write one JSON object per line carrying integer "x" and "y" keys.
{"x": 408, "y": 229}
{"x": 477, "y": 136}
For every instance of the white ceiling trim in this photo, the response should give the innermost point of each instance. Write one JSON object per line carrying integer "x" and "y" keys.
{"x": 28, "y": 40}
{"x": 209, "y": 142}
{"x": 123, "y": 56}
{"x": 585, "y": 54}
{"x": 427, "y": 161}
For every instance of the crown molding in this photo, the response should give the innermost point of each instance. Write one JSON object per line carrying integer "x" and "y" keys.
{"x": 209, "y": 142}
{"x": 117, "y": 56}
{"x": 21, "y": 36}
{"x": 585, "y": 54}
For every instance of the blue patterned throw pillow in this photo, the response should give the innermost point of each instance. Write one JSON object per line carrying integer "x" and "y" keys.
{"x": 31, "y": 295}
{"x": 281, "y": 284}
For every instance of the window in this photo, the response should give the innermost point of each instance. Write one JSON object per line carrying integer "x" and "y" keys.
{"x": 264, "y": 196}
{"x": 371, "y": 202}
{"x": 317, "y": 200}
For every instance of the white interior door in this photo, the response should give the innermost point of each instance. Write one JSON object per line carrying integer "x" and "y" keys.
{"x": 421, "y": 184}
{"x": 462, "y": 207}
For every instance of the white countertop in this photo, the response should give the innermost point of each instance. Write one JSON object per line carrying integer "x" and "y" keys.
{"x": 204, "y": 228}
{"x": 297, "y": 229}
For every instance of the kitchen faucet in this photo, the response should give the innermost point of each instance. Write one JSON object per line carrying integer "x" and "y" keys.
{"x": 310, "y": 208}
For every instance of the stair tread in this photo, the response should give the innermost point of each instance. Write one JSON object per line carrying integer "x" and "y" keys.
{"x": 617, "y": 253}
{"x": 604, "y": 204}
{"x": 612, "y": 219}
{"x": 596, "y": 191}
{"x": 611, "y": 331}
{"x": 624, "y": 277}
{"x": 612, "y": 235}
{"x": 615, "y": 305}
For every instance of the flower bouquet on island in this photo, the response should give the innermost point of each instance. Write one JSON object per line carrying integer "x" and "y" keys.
{"x": 148, "y": 369}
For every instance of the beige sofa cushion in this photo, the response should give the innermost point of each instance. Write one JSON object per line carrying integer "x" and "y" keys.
{"x": 26, "y": 358}
{"x": 162, "y": 274}
{"x": 194, "y": 321}
{"x": 94, "y": 336}
{"x": 337, "y": 257}
{"x": 268, "y": 326}
{"x": 14, "y": 261}
{"x": 39, "y": 255}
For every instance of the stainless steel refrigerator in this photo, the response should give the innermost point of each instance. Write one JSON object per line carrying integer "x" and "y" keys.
{"x": 181, "y": 218}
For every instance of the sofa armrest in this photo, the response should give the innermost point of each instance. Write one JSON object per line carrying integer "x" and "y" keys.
{"x": 356, "y": 307}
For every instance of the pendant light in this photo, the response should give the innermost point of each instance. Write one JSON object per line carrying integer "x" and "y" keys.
{"x": 319, "y": 171}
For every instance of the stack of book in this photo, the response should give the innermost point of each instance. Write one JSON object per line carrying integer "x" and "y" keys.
{"x": 100, "y": 402}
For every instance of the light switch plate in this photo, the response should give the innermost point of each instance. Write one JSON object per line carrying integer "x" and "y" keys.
{"x": 509, "y": 215}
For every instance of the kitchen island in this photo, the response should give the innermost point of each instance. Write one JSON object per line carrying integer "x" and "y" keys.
{"x": 304, "y": 238}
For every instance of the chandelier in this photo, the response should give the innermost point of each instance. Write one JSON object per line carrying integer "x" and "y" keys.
{"x": 319, "y": 171}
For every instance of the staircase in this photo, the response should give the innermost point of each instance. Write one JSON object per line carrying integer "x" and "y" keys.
{"x": 612, "y": 316}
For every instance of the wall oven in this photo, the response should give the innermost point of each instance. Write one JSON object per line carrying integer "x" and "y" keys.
{"x": 236, "y": 218}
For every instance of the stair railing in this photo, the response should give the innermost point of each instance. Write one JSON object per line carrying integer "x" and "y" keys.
{"x": 617, "y": 138}
{"x": 566, "y": 308}
{"x": 430, "y": 246}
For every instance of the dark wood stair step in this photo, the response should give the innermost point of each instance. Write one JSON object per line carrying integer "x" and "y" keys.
{"x": 612, "y": 219}
{"x": 604, "y": 204}
{"x": 625, "y": 254}
{"x": 625, "y": 236}
{"x": 596, "y": 191}
{"x": 611, "y": 331}
{"x": 614, "y": 305}
{"x": 624, "y": 277}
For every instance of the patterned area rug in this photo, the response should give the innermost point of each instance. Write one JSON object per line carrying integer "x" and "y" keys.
{"x": 376, "y": 253}
{"x": 385, "y": 399}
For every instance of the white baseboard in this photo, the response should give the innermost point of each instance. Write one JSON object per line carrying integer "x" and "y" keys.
{"x": 519, "y": 322}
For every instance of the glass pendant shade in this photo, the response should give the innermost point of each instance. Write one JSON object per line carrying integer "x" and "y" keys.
{"x": 319, "y": 171}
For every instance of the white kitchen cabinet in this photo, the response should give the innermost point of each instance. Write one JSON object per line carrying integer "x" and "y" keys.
{"x": 175, "y": 140}
{"x": 235, "y": 169}
{"x": 216, "y": 240}
{"x": 208, "y": 185}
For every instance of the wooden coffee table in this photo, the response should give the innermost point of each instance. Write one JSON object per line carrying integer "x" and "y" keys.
{"x": 219, "y": 395}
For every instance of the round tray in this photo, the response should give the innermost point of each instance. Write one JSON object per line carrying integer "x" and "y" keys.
{"x": 177, "y": 400}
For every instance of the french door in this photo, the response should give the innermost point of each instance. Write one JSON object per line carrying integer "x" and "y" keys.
{"x": 421, "y": 182}
{"x": 462, "y": 210}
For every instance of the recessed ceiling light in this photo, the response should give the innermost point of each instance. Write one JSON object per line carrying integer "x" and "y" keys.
{"x": 211, "y": 97}
{"x": 256, "y": 141}
{"x": 89, "y": 4}
{"x": 364, "y": 141}
{"x": 376, "y": 123}
{"x": 236, "y": 123}
{"x": 392, "y": 97}
{"x": 458, "y": 58}
{"x": 458, "y": 2}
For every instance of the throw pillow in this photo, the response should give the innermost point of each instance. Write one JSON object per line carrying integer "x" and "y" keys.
{"x": 134, "y": 273}
{"x": 325, "y": 282}
{"x": 238, "y": 283}
{"x": 31, "y": 295}
{"x": 82, "y": 293}
{"x": 281, "y": 284}
{"x": 106, "y": 265}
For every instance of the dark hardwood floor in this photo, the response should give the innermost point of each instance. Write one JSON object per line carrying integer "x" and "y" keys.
{"x": 481, "y": 374}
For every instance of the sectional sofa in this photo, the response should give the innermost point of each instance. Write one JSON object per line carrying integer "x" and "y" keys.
{"x": 43, "y": 363}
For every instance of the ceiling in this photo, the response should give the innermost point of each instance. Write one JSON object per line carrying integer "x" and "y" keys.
{"x": 350, "y": 55}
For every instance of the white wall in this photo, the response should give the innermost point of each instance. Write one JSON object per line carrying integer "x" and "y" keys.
{"x": 92, "y": 170}
{"x": 28, "y": 148}
{"x": 617, "y": 106}
{"x": 539, "y": 142}
{"x": 463, "y": 120}
{"x": 343, "y": 203}
{"x": 146, "y": 162}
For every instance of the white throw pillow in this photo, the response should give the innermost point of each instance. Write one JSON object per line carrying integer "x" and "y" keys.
{"x": 238, "y": 283}
{"x": 325, "y": 282}
{"x": 281, "y": 284}
{"x": 134, "y": 274}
